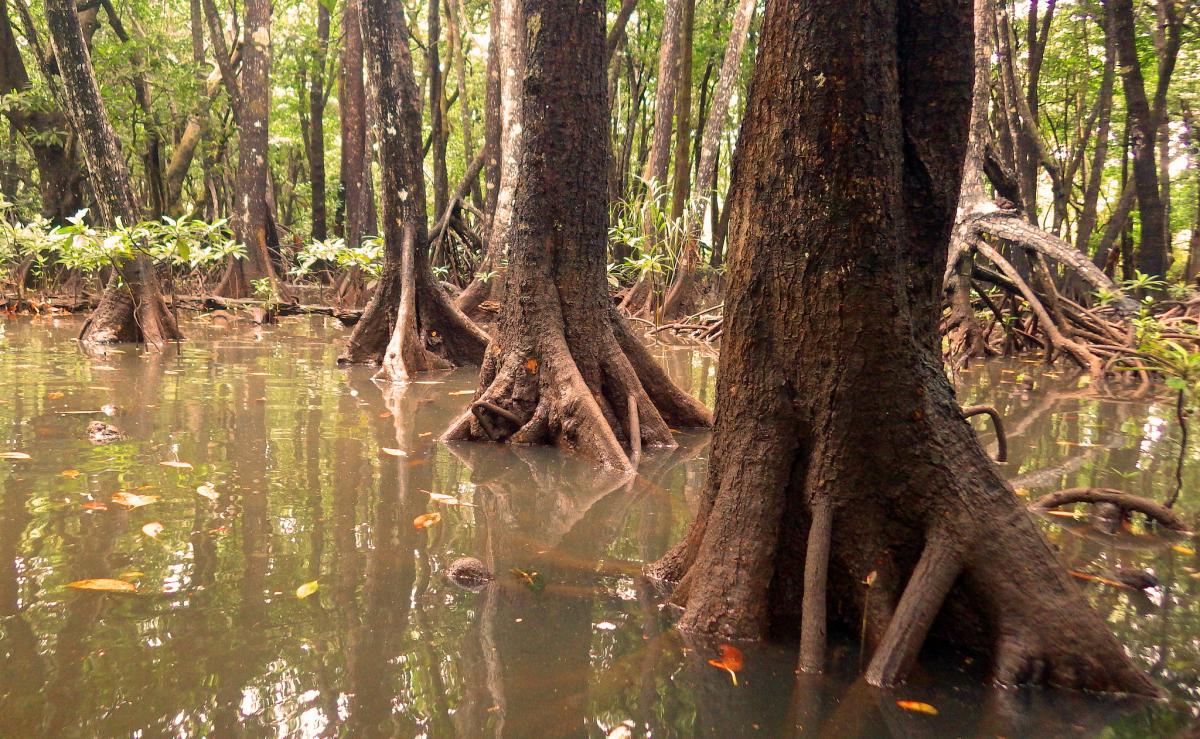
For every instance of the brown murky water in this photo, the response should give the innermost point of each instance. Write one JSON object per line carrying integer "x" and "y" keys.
{"x": 216, "y": 642}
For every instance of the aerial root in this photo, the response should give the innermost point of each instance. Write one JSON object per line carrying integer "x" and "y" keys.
{"x": 816, "y": 575}
{"x": 935, "y": 573}
{"x": 1015, "y": 663}
{"x": 997, "y": 423}
{"x": 1149, "y": 508}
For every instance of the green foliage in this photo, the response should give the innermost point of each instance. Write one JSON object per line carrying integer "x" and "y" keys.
{"x": 368, "y": 256}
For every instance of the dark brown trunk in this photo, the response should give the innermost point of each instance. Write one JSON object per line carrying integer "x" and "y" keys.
{"x": 564, "y": 368}
{"x": 134, "y": 309}
{"x": 316, "y": 125}
{"x": 409, "y": 325}
{"x": 1152, "y": 249}
{"x": 839, "y": 443}
{"x": 437, "y": 109}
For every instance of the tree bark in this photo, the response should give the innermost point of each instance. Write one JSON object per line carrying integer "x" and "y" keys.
{"x": 133, "y": 309}
{"x": 252, "y": 213}
{"x": 316, "y": 125}
{"x": 822, "y": 403}
{"x": 1091, "y": 193}
{"x": 409, "y": 325}
{"x": 564, "y": 369}
{"x": 437, "y": 109}
{"x": 683, "y": 113}
{"x": 1152, "y": 253}
{"x": 655, "y": 171}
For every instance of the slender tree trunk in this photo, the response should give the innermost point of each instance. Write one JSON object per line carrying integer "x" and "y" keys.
{"x": 681, "y": 294}
{"x": 1191, "y": 142}
{"x": 437, "y": 109}
{"x": 655, "y": 172}
{"x": 355, "y": 163}
{"x": 252, "y": 212}
{"x": 1152, "y": 251}
{"x": 409, "y": 325}
{"x": 683, "y": 113}
{"x": 617, "y": 32}
{"x": 316, "y": 125}
{"x": 133, "y": 309}
{"x": 1091, "y": 193}
{"x": 840, "y": 454}
{"x": 492, "y": 125}
{"x": 564, "y": 368}
{"x": 459, "y": 38}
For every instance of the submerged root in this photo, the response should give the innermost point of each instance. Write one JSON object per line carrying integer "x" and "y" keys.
{"x": 1151, "y": 509}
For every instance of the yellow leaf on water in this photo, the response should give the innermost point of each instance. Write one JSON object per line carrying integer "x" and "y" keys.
{"x": 152, "y": 529}
{"x": 53, "y": 396}
{"x": 104, "y": 584}
{"x": 1096, "y": 578}
{"x": 208, "y": 490}
{"x": 1184, "y": 549}
{"x": 307, "y": 589}
{"x": 177, "y": 465}
{"x": 463, "y": 392}
{"x": 14, "y": 455}
{"x": 70, "y": 473}
{"x": 425, "y": 520}
{"x": 394, "y": 452}
{"x": 918, "y": 707}
{"x": 132, "y": 575}
{"x": 133, "y": 500}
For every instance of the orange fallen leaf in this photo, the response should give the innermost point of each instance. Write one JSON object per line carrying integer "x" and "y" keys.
{"x": 133, "y": 500}
{"x": 94, "y": 505}
{"x": 104, "y": 584}
{"x": 425, "y": 520}
{"x": 1096, "y": 578}
{"x": 70, "y": 473}
{"x": 53, "y": 396}
{"x": 14, "y": 455}
{"x": 1184, "y": 549}
{"x": 385, "y": 414}
{"x": 177, "y": 465}
{"x": 731, "y": 661}
{"x": 152, "y": 529}
{"x": 918, "y": 707}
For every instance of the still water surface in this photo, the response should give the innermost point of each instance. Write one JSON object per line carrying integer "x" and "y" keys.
{"x": 216, "y": 641}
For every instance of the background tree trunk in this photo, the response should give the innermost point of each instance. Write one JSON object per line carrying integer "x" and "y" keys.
{"x": 316, "y": 125}
{"x": 840, "y": 454}
{"x": 564, "y": 368}
{"x": 134, "y": 310}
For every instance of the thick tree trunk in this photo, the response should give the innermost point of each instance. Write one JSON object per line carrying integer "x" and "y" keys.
{"x": 838, "y": 435}
{"x": 680, "y": 297}
{"x": 409, "y": 325}
{"x": 132, "y": 310}
{"x": 1152, "y": 251}
{"x": 564, "y": 369}
{"x": 252, "y": 212}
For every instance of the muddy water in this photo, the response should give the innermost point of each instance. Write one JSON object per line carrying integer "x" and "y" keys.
{"x": 567, "y": 641}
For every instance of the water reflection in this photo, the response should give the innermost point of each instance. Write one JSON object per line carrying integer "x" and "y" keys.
{"x": 217, "y": 641}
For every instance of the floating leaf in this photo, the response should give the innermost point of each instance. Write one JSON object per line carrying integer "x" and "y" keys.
{"x": 918, "y": 707}
{"x": 14, "y": 455}
{"x": 307, "y": 589}
{"x": 53, "y": 396}
{"x": 731, "y": 661}
{"x": 133, "y": 500}
{"x": 94, "y": 505}
{"x": 177, "y": 465}
{"x": 104, "y": 584}
{"x": 1096, "y": 578}
{"x": 132, "y": 575}
{"x": 463, "y": 392}
{"x": 152, "y": 529}
{"x": 394, "y": 452}
{"x": 449, "y": 500}
{"x": 1184, "y": 549}
{"x": 530, "y": 578}
{"x": 70, "y": 473}
{"x": 425, "y": 520}
{"x": 208, "y": 490}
